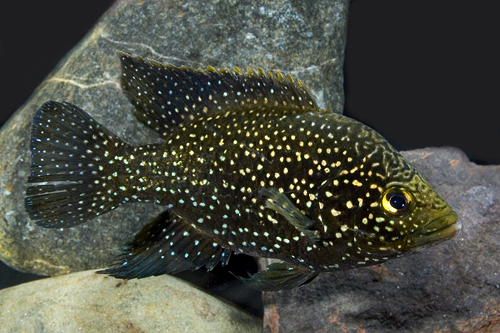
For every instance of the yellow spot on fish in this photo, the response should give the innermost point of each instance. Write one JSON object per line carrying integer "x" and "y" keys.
{"x": 355, "y": 182}
{"x": 335, "y": 212}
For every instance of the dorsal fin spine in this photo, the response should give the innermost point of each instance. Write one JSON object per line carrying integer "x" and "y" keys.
{"x": 165, "y": 95}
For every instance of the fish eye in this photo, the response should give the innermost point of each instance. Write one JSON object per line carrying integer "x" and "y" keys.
{"x": 396, "y": 201}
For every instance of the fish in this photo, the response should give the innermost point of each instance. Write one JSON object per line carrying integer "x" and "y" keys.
{"x": 247, "y": 163}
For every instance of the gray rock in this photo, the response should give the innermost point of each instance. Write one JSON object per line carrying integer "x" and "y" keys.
{"x": 293, "y": 36}
{"x": 90, "y": 302}
{"x": 453, "y": 287}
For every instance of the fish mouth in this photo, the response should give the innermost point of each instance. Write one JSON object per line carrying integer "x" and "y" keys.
{"x": 438, "y": 230}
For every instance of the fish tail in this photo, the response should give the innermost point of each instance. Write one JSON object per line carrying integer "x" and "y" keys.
{"x": 72, "y": 167}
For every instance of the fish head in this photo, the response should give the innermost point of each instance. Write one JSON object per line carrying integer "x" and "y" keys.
{"x": 428, "y": 219}
{"x": 407, "y": 214}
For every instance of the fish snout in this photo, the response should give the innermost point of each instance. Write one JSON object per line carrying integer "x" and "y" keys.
{"x": 438, "y": 230}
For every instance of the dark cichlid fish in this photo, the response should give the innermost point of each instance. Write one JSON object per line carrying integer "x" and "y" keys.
{"x": 249, "y": 164}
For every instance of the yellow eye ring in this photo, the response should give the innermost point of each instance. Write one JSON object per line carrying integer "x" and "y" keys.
{"x": 396, "y": 201}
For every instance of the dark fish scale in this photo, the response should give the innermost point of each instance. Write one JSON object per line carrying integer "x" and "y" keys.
{"x": 249, "y": 165}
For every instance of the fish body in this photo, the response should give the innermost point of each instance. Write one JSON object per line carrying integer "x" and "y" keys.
{"x": 248, "y": 164}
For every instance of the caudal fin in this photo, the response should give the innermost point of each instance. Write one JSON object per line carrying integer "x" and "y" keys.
{"x": 72, "y": 167}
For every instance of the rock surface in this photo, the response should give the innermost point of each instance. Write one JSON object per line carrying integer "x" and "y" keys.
{"x": 287, "y": 35}
{"x": 90, "y": 302}
{"x": 452, "y": 287}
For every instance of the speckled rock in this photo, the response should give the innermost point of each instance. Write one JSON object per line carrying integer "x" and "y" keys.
{"x": 90, "y": 302}
{"x": 452, "y": 287}
{"x": 287, "y": 35}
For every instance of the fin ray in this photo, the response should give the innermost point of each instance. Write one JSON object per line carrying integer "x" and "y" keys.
{"x": 278, "y": 276}
{"x": 170, "y": 245}
{"x": 165, "y": 96}
{"x": 67, "y": 184}
{"x": 283, "y": 206}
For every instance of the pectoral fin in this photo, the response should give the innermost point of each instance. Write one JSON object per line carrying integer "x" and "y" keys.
{"x": 282, "y": 205}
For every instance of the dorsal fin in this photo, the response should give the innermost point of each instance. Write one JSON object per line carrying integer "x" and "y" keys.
{"x": 166, "y": 95}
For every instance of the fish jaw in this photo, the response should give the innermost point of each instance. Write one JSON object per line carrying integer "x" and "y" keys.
{"x": 438, "y": 230}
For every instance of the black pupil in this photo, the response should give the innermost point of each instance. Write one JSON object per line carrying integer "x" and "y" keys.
{"x": 397, "y": 201}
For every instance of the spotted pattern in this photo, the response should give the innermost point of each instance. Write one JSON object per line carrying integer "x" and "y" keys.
{"x": 248, "y": 165}
{"x": 165, "y": 95}
{"x": 246, "y": 151}
{"x": 74, "y": 157}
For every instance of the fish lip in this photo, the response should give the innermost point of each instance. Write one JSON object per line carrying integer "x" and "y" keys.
{"x": 438, "y": 230}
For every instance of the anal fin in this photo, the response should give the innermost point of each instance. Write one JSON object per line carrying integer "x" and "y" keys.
{"x": 167, "y": 245}
{"x": 278, "y": 276}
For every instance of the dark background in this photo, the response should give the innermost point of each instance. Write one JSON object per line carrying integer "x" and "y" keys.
{"x": 423, "y": 73}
